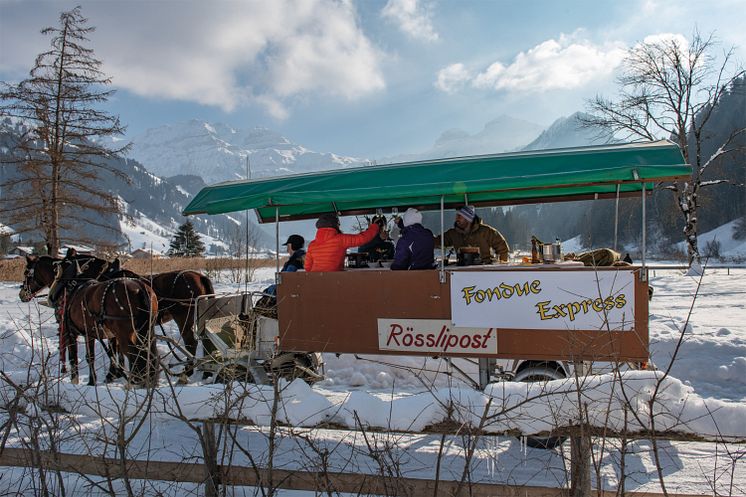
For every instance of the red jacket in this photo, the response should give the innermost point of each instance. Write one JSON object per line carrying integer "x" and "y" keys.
{"x": 327, "y": 251}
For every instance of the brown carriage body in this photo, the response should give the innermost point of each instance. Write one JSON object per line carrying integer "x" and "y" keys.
{"x": 339, "y": 312}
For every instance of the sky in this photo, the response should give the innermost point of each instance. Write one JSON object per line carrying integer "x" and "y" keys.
{"x": 371, "y": 78}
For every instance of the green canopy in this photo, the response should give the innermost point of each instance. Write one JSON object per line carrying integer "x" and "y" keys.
{"x": 502, "y": 179}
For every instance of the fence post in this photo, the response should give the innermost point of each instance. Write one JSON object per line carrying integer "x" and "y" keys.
{"x": 210, "y": 454}
{"x": 580, "y": 449}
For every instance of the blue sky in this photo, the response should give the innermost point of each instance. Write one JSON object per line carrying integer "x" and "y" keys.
{"x": 364, "y": 78}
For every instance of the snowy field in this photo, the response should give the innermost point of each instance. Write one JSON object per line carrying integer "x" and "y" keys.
{"x": 705, "y": 394}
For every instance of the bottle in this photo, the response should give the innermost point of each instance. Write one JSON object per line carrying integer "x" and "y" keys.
{"x": 534, "y": 251}
{"x": 557, "y": 250}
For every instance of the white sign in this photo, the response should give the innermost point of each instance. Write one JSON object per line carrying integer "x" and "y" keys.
{"x": 544, "y": 300}
{"x": 435, "y": 336}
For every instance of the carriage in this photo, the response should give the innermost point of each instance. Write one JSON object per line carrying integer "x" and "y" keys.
{"x": 518, "y": 321}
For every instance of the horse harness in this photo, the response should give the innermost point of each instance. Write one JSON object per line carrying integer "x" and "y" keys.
{"x": 74, "y": 286}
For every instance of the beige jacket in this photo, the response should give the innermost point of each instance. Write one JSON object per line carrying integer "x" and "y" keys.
{"x": 479, "y": 235}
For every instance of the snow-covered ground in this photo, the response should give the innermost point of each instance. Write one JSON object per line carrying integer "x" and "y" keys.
{"x": 728, "y": 247}
{"x": 705, "y": 394}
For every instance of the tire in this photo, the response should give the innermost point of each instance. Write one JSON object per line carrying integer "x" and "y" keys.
{"x": 542, "y": 372}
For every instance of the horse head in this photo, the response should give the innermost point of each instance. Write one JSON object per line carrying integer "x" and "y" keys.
{"x": 37, "y": 275}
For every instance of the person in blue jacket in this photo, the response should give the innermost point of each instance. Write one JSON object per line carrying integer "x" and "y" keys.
{"x": 414, "y": 249}
{"x": 294, "y": 263}
{"x": 297, "y": 254}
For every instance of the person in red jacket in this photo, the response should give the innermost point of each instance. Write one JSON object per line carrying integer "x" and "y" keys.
{"x": 327, "y": 251}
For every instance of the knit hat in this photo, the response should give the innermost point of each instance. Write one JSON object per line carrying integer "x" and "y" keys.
{"x": 467, "y": 212}
{"x": 295, "y": 241}
{"x": 328, "y": 220}
{"x": 412, "y": 216}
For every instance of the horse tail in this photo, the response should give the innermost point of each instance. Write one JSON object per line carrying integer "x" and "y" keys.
{"x": 207, "y": 284}
{"x": 149, "y": 303}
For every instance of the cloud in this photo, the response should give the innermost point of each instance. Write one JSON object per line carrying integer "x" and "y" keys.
{"x": 267, "y": 53}
{"x": 452, "y": 78}
{"x": 553, "y": 64}
{"x": 412, "y": 18}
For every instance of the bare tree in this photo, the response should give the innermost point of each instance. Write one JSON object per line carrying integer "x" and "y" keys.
{"x": 58, "y": 160}
{"x": 671, "y": 88}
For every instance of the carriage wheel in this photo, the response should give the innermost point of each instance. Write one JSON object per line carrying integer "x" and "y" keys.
{"x": 293, "y": 366}
{"x": 536, "y": 373}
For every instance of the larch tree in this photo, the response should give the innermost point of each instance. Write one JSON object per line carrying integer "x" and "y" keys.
{"x": 670, "y": 88}
{"x": 53, "y": 185}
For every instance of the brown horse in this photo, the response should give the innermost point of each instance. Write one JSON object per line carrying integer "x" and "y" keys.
{"x": 39, "y": 273}
{"x": 176, "y": 291}
{"x": 122, "y": 310}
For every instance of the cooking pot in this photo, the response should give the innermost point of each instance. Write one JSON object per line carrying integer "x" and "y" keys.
{"x": 468, "y": 256}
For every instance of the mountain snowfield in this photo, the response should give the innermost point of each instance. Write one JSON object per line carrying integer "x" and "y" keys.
{"x": 144, "y": 233}
{"x": 217, "y": 152}
{"x": 705, "y": 393}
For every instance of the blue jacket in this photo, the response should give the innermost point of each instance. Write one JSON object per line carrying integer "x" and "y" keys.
{"x": 414, "y": 250}
{"x": 295, "y": 262}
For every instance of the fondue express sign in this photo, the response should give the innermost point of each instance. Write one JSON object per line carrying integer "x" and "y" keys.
{"x": 543, "y": 300}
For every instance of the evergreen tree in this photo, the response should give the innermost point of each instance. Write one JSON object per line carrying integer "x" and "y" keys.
{"x": 186, "y": 242}
{"x": 58, "y": 161}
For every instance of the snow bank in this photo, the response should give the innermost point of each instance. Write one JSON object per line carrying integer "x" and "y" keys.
{"x": 528, "y": 408}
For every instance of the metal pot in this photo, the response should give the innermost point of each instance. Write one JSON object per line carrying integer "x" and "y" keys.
{"x": 468, "y": 256}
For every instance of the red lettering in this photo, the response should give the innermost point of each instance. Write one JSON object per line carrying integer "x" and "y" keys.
{"x": 468, "y": 341}
{"x": 452, "y": 342}
{"x": 394, "y": 332}
{"x": 485, "y": 338}
{"x": 442, "y": 332}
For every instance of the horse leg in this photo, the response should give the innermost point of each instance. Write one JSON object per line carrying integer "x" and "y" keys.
{"x": 90, "y": 357}
{"x": 71, "y": 344}
{"x": 116, "y": 361}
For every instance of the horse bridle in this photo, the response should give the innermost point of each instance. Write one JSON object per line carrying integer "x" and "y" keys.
{"x": 31, "y": 273}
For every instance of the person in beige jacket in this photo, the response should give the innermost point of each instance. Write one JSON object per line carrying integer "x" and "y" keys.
{"x": 470, "y": 231}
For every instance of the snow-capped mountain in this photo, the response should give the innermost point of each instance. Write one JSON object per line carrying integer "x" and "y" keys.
{"x": 569, "y": 132}
{"x": 502, "y": 134}
{"x": 217, "y": 152}
{"x": 153, "y": 205}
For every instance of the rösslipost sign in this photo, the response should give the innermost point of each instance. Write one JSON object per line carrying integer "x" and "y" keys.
{"x": 544, "y": 300}
{"x": 434, "y": 336}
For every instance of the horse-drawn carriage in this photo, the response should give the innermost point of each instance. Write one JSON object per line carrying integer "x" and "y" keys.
{"x": 432, "y": 313}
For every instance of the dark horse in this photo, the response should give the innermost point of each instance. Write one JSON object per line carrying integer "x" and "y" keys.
{"x": 122, "y": 310}
{"x": 176, "y": 290}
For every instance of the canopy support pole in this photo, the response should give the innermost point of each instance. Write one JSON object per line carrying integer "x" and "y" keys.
{"x": 277, "y": 243}
{"x": 644, "y": 226}
{"x": 442, "y": 272}
{"x": 248, "y": 236}
{"x": 616, "y": 217}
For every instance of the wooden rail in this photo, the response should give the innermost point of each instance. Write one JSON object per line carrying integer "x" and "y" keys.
{"x": 282, "y": 478}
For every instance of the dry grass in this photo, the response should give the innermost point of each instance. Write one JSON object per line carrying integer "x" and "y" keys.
{"x": 12, "y": 269}
{"x": 164, "y": 264}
